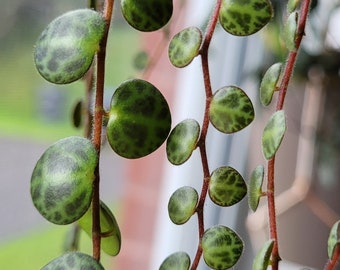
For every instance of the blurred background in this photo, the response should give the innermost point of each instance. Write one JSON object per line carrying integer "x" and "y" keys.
{"x": 34, "y": 114}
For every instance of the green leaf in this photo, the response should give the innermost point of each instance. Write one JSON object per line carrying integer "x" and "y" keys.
{"x": 273, "y": 134}
{"x": 333, "y": 239}
{"x": 61, "y": 182}
{"x": 246, "y": 17}
{"x": 255, "y": 187}
{"x": 182, "y": 204}
{"x": 176, "y": 261}
{"x": 184, "y": 46}
{"x": 227, "y": 186}
{"x": 141, "y": 60}
{"x": 77, "y": 114}
{"x": 182, "y": 141}
{"x": 111, "y": 238}
{"x": 147, "y": 15}
{"x": 290, "y": 31}
{"x": 73, "y": 260}
{"x": 231, "y": 109}
{"x": 222, "y": 247}
{"x": 65, "y": 49}
{"x": 262, "y": 258}
{"x": 292, "y": 5}
{"x": 269, "y": 83}
{"x": 139, "y": 119}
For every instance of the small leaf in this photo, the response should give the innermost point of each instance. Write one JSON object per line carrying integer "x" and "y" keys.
{"x": 139, "y": 119}
{"x": 62, "y": 180}
{"x": 290, "y": 31}
{"x": 222, "y": 247}
{"x": 184, "y": 46}
{"x": 147, "y": 15}
{"x": 255, "y": 187}
{"x": 231, "y": 109}
{"x": 262, "y": 258}
{"x": 273, "y": 134}
{"x": 176, "y": 261}
{"x": 227, "y": 186}
{"x": 111, "y": 238}
{"x": 73, "y": 260}
{"x": 141, "y": 60}
{"x": 65, "y": 49}
{"x": 77, "y": 114}
{"x": 269, "y": 83}
{"x": 243, "y": 18}
{"x": 333, "y": 239}
{"x": 182, "y": 204}
{"x": 182, "y": 141}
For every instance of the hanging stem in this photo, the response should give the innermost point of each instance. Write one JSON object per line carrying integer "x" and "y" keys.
{"x": 202, "y": 140}
{"x": 97, "y": 128}
{"x": 334, "y": 260}
{"x": 287, "y": 74}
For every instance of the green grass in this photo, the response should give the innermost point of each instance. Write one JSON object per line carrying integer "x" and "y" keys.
{"x": 36, "y": 249}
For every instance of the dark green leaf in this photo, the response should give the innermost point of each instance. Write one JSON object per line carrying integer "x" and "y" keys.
{"x": 184, "y": 46}
{"x": 147, "y": 15}
{"x": 74, "y": 260}
{"x": 227, "y": 186}
{"x": 231, "y": 109}
{"x": 182, "y": 141}
{"x": 222, "y": 247}
{"x": 176, "y": 261}
{"x": 243, "y": 18}
{"x": 139, "y": 119}
{"x": 182, "y": 204}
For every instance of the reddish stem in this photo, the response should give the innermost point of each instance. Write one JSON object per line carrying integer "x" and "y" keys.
{"x": 334, "y": 260}
{"x": 287, "y": 74}
{"x": 201, "y": 143}
{"x": 97, "y": 128}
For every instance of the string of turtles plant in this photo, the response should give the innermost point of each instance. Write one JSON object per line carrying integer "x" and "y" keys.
{"x": 65, "y": 180}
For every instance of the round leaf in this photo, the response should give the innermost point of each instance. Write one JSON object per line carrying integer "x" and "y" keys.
{"x": 273, "y": 134}
{"x": 176, "y": 261}
{"x": 61, "y": 182}
{"x": 65, "y": 49}
{"x": 184, "y": 46}
{"x": 269, "y": 83}
{"x": 227, "y": 186}
{"x": 255, "y": 187}
{"x": 111, "y": 238}
{"x": 333, "y": 239}
{"x": 139, "y": 119}
{"x": 147, "y": 15}
{"x": 222, "y": 247}
{"x": 182, "y": 141}
{"x": 243, "y": 18}
{"x": 261, "y": 260}
{"x": 73, "y": 260}
{"x": 231, "y": 109}
{"x": 290, "y": 30}
{"x": 182, "y": 204}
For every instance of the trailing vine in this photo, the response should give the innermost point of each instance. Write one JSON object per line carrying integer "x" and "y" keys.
{"x": 65, "y": 180}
